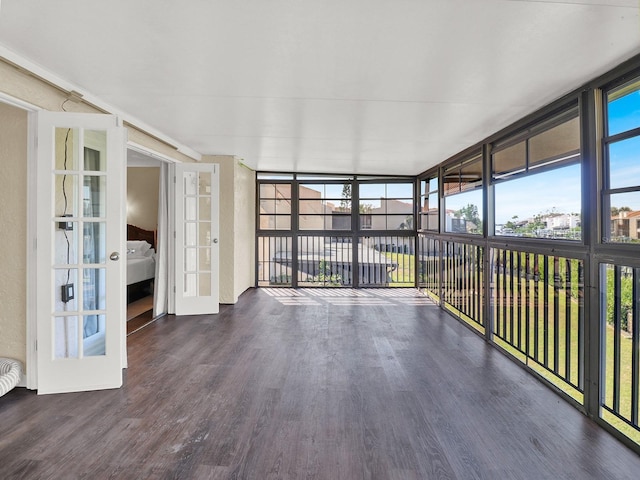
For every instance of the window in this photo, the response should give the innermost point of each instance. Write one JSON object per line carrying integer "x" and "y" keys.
{"x": 462, "y": 188}
{"x": 429, "y": 204}
{"x": 621, "y": 193}
{"x": 386, "y": 206}
{"x": 325, "y": 206}
{"x": 537, "y": 180}
{"x": 275, "y": 206}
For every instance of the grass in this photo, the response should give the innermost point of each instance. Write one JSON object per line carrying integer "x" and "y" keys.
{"x": 404, "y": 275}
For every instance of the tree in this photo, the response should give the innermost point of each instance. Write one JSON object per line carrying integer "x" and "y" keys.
{"x": 615, "y": 211}
{"x": 512, "y": 223}
{"x": 345, "y": 203}
{"x": 470, "y": 214}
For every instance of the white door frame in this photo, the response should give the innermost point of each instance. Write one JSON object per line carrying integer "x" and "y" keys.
{"x": 170, "y": 162}
{"x": 30, "y": 376}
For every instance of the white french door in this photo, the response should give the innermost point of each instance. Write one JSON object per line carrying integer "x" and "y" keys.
{"x": 197, "y": 231}
{"x": 80, "y": 269}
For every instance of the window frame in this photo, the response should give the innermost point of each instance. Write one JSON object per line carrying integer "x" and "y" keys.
{"x": 606, "y": 191}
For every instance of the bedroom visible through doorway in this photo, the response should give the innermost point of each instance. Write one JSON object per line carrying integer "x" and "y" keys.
{"x": 145, "y": 215}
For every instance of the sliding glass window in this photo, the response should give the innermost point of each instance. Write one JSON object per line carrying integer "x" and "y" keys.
{"x": 621, "y": 192}
{"x": 536, "y": 177}
{"x": 462, "y": 189}
{"x": 429, "y": 204}
{"x": 275, "y": 206}
{"x": 386, "y": 206}
{"x": 325, "y": 206}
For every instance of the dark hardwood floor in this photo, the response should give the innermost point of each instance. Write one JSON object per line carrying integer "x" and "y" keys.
{"x": 309, "y": 386}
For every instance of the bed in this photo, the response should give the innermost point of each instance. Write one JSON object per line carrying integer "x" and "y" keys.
{"x": 141, "y": 262}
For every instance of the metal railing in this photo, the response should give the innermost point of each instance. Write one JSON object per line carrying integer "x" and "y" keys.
{"x": 538, "y": 312}
{"x": 429, "y": 265}
{"x": 335, "y": 261}
{"x": 324, "y": 261}
{"x": 274, "y": 256}
{"x": 386, "y": 261}
{"x": 620, "y": 323}
{"x": 462, "y": 280}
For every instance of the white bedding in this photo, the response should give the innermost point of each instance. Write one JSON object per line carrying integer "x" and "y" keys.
{"x": 140, "y": 269}
{"x": 141, "y": 261}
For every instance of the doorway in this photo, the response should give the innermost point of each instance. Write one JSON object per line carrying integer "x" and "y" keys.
{"x": 147, "y": 276}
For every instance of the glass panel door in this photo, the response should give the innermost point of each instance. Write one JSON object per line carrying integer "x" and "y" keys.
{"x": 196, "y": 239}
{"x": 80, "y": 276}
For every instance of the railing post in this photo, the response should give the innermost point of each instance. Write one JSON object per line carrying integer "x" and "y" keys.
{"x": 489, "y": 221}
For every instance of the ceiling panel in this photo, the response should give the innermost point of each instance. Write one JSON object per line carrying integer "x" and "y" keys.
{"x": 360, "y": 86}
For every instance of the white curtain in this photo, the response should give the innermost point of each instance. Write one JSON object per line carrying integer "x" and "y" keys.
{"x": 161, "y": 287}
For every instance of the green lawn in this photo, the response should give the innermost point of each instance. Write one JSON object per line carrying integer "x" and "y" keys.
{"x": 404, "y": 275}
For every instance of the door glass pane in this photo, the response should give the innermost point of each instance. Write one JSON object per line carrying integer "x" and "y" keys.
{"x": 205, "y": 259}
{"x": 190, "y": 255}
{"x": 66, "y": 149}
{"x": 66, "y": 243}
{"x": 205, "y": 208}
{"x": 205, "y": 183}
{"x": 94, "y": 335}
{"x": 205, "y": 285}
{"x": 66, "y": 200}
{"x": 190, "y": 236}
{"x": 94, "y": 288}
{"x": 65, "y": 335}
{"x": 95, "y": 150}
{"x": 190, "y": 211}
{"x": 66, "y": 278}
{"x": 190, "y": 284}
{"x": 205, "y": 234}
{"x": 93, "y": 196}
{"x": 190, "y": 181}
{"x": 94, "y": 242}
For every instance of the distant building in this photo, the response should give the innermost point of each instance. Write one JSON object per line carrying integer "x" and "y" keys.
{"x": 563, "y": 221}
{"x": 626, "y": 225}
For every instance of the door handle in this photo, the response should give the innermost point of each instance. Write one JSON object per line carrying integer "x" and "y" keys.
{"x": 114, "y": 256}
{"x": 215, "y": 240}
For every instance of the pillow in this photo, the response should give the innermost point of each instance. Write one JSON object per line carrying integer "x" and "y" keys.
{"x": 137, "y": 247}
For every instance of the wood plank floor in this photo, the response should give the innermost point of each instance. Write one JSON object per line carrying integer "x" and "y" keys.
{"x": 310, "y": 386}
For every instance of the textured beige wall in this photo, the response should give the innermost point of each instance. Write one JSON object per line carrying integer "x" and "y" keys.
{"x": 13, "y": 241}
{"x": 142, "y": 197}
{"x": 227, "y": 230}
{"x": 237, "y": 232}
{"x": 245, "y": 231}
{"x": 24, "y": 86}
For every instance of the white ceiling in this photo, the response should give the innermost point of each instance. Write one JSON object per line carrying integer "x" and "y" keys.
{"x": 341, "y": 86}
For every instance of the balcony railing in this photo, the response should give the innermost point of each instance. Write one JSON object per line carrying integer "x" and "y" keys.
{"x": 332, "y": 260}
{"x": 620, "y": 322}
{"x": 538, "y": 313}
{"x": 462, "y": 281}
